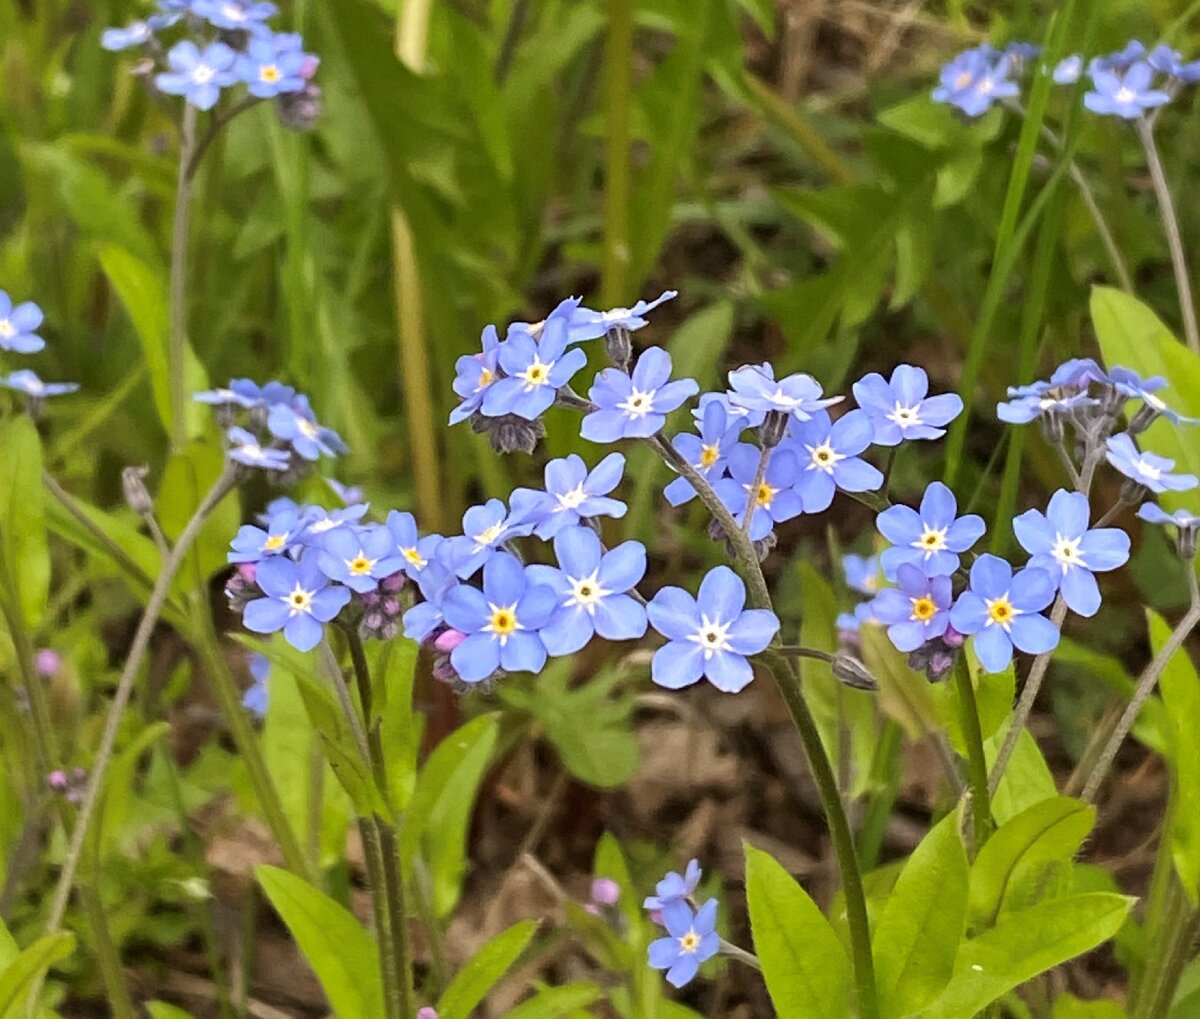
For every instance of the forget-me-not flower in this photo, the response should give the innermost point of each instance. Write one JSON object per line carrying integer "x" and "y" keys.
{"x": 235, "y": 15}
{"x": 1147, "y": 469}
{"x": 637, "y": 405}
{"x": 27, "y": 382}
{"x": 916, "y": 611}
{"x": 1131, "y": 384}
{"x": 485, "y": 529}
{"x": 572, "y": 494}
{"x": 1004, "y": 611}
{"x": 534, "y": 372}
{"x": 1128, "y": 95}
{"x": 710, "y": 635}
{"x": 755, "y": 387}
{"x": 244, "y": 448}
{"x": 1068, "y": 70}
{"x": 296, "y": 425}
{"x": 198, "y": 75}
{"x": 253, "y": 544}
{"x": 736, "y": 414}
{"x": 675, "y": 887}
{"x": 900, "y": 407}
{"x": 1170, "y": 62}
{"x": 692, "y": 940}
{"x": 931, "y": 538}
{"x": 707, "y": 452}
{"x": 861, "y": 572}
{"x": 975, "y": 79}
{"x": 425, "y": 618}
{"x": 415, "y": 550}
{"x": 298, "y": 600}
{"x": 827, "y": 455}
{"x": 19, "y": 325}
{"x": 1060, "y": 543}
{"x": 474, "y": 373}
{"x": 585, "y": 324}
{"x": 592, "y": 588}
{"x": 255, "y": 697}
{"x": 501, "y": 621}
{"x": 774, "y": 501}
{"x": 359, "y": 557}
{"x": 271, "y": 66}
{"x": 1153, "y": 513}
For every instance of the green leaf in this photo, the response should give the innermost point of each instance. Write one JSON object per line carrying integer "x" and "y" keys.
{"x": 393, "y": 672}
{"x": 118, "y": 794}
{"x": 1048, "y": 832}
{"x": 162, "y": 1010}
{"x": 186, "y": 480}
{"x": 1067, "y": 1006}
{"x": 904, "y": 695}
{"x": 472, "y": 983}
{"x": 803, "y": 962}
{"x": 1027, "y": 779}
{"x": 341, "y": 953}
{"x": 23, "y": 517}
{"x": 21, "y": 977}
{"x": 918, "y": 934}
{"x": 556, "y": 1002}
{"x": 1023, "y": 944}
{"x": 143, "y": 291}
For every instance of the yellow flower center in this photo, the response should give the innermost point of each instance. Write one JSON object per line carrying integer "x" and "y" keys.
{"x": 923, "y": 608}
{"x": 932, "y": 540}
{"x": 504, "y": 621}
{"x": 690, "y": 942}
{"x": 275, "y": 542}
{"x": 765, "y": 494}
{"x": 360, "y": 565}
{"x": 709, "y": 455}
{"x": 963, "y": 79}
{"x": 307, "y": 428}
{"x": 299, "y": 600}
{"x": 270, "y": 74}
{"x": 486, "y": 378}
{"x": 1001, "y": 611}
{"x": 413, "y": 556}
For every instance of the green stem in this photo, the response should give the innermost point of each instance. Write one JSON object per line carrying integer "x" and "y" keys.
{"x": 1170, "y": 954}
{"x": 981, "y": 804}
{"x": 177, "y": 346}
{"x": 839, "y": 830}
{"x": 618, "y": 77}
{"x": 373, "y": 853}
{"x": 111, "y": 972}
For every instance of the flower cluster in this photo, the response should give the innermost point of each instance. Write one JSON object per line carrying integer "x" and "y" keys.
{"x": 1125, "y": 84}
{"x": 225, "y": 43}
{"x": 270, "y": 427}
{"x": 692, "y": 937}
{"x": 19, "y": 325}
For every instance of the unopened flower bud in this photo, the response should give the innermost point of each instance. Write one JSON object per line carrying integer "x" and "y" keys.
{"x": 773, "y": 428}
{"x": 509, "y": 433}
{"x": 618, "y": 347}
{"x": 300, "y": 111}
{"x": 1142, "y": 420}
{"x": 1185, "y": 542}
{"x": 1052, "y": 426}
{"x": 425, "y": 1012}
{"x": 133, "y": 483}
{"x": 48, "y": 662}
{"x": 605, "y": 892}
{"x": 1133, "y": 494}
{"x": 847, "y": 668}
{"x": 448, "y": 640}
{"x": 941, "y": 663}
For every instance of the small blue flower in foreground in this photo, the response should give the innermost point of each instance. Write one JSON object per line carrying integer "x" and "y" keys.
{"x": 706, "y": 452}
{"x": 693, "y": 940}
{"x": 271, "y": 66}
{"x": 1131, "y": 384}
{"x": 1060, "y": 543}
{"x": 18, "y": 326}
{"x": 637, "y": 405}
{"x": 737, "y": 415}
{"x": 255, "y": 697}
{"x": 298, "y": 601}
{"x": 474, "y": 373}
{"x": 1069, "y": 70}
{"x": 244, "y": 15}
{"x": 585, "y": 324}
{"x": 591, "y": 587}
{"x": 245, "y": 448}
{"x": 1168, "y": 61}
{"x": 296, "y": 424}
{"x": 434, "y": 582}
{"x": 27, "y": 382}
{"x": 930, "y": 539}
{"x": 198, "y": 75}
{"x": 1153, "y": 513}
{"x": 754, "y": 387}
{"x": 415, "y": 550}
{"x": 710, "y": 635}
{"x": 535, "y": 370}
{"x": 675, "y": 887}
{"x": 572, "y": 494}
{"x": 1147, "y": 469}
{"x": 1031, "y": 402}
{"x": 253, "y": 544}
{"x": 1004, "y": 611}
{"x": 862, "y": 572}
{"x": 828, "y": 457}
{"x": 1127, "y": 95}
{"x": 775, "y": 499}
{"x": 976, "y": 79}
{"x": 900, "y": 408}
{"x": 359, "y": 557}
{"x": 501, "y": 622}
{"x": 917, "y": 611}
{"x": 485, "y": 529}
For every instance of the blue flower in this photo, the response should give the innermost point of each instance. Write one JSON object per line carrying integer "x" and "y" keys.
{"x": 321, "y": 521}
{"x": 737, "y": 415}
{"x": 1126, "y": 95}
{"x": 255, "y": 697}
{"x": 235, "y": 15}
{"x": 298, "y": 601}
{"x": 900, "y": 409}
{"x": 425, "y": 618}
{"x": 416, "y": 551}
{"x": 1003, "y": 612}
{"x": 564, "y": 311}
{"x": 1030, "y": 402}
{"x": 1078, "y": 373}
{"x": 198, "y": 75}
{"x": 974, "y": 80}
{"x": 571, "y": 495}
{"x": 851, "y": 622}
{"x": 27, "y": 382}
{"x": 296, "y": 424}
{"x": 915, "y": 612}
{"x": 485, "y": 529}
{"x": 474, "y": 373}
{"x": 828, "y": 457}
{"x": 271, "y": 66}
{"x": 776, "y": 499}
{"x": 359, "y": 557}
{"x": 585, "y": 324}
{"x": 693, "y": 940}
{"x": 1129, "y": 383}
{"x": 501, "y": 622}
{"x": 1182, "y": 519}
{"x": 635, "y": 406}
{"x": 1168, "y": 61}
{"x": 253, "y": 544}
{"x": 1120, "y": 61}
{"x": 675, "y": 887}
{"x": 754, "y": 387}
{"x": 930, "y": 539}
{"x": 18, "y": 326}
{"x": 1060, "y": 543}
{"x": 534, "y": 372}
{"x": 706, "y": 452}
{"x": 862, "y": 572}
{"x": 591, "y": 588}
{"x": 1147, "y": 469}
{"x": 245, "y": 448}
{"x": 1069, "y": 70}
{"x": 709, "y": 635}
{"x": 138, "y": 33}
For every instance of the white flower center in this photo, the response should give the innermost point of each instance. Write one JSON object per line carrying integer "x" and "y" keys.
{"x": 781, "y": 398}
{"x": 1124, "y": 94}
{"x": 1154, "y": 401}
{"x": 489, "y": 535}
{"x": 7, "y": 329}
{"x": 572, "y": 499}
{"x": 233, "y": 12}
{"x": 824, "y": 457}
{"x": 202, "y": 74}
{"x": 931, "y": 540}
{"x": 986, "y": 86}
{"x": 905, "y": 416}
{"x": 615, "y": 315}
{"x": 328, "y": 524}
{"x": 307, "y": 428}
{"x": 1147, "y": 470}
{"x": 690, "y": 943}
{"x": 585, "y": 593}
{"x": 537, "y": 374}
{"x": 638, "y": 403}
{"x": 299, "y": 601}
{"x": 711, "y": 637}
{"x": 1066, "y": 552}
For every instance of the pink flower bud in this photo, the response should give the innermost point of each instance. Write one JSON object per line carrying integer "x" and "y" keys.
{"x": 605, "y": 892}
{"x": 48, "y": 663}
{"x": 449, "y": 640}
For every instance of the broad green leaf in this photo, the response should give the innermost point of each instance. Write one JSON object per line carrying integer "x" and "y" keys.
{"x": 1023, "y": 944}
{"x": 904, "y": 695}
{"x": 1048, "y": 832}
{"x": 1067, "y": 1006}
{"x": 21, "y": 977}
{"x": 341, "y": 953}
{"x": 803, "y": 962}
{"x": 478, "y": 976}
{"x": 557, "y": 1002}
{"x": 1027, "y": 779}
{"x": 23, "y": 518}
{"x": 394, "y": 671}
{"x": 162, "y": 1010}
{"x": 143, "y": 292}
{"x": 918, "y": 933}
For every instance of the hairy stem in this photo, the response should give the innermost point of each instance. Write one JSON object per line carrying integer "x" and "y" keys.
{"x": 752, "y": 495}
{"x": 732, "y": 950}
{"x": 177, "y": 346}
{"x": 981, "y": 805}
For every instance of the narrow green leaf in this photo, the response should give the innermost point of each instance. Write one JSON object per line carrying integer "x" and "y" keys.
{"x": 803, "y": 962}
{"x": 556, "y": 1002}
{"x": 1027, "y": 779}
{"x": 916, "y": 939}
{"x": 341, "y": 953}
{"x": 23, "y": 517}
{"x": 22, "y": 976}
{"x": 472, "y": 983}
